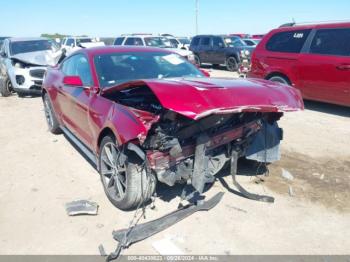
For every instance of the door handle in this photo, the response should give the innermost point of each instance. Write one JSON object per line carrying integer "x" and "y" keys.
{"x": 343, "y": 67}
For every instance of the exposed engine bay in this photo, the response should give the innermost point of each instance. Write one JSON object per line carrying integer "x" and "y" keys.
{"x": 180, "y": 149}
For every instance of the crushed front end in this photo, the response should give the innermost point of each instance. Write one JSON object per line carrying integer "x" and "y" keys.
{"x": 189, "y": 138}
{"x": 180, "y": 149}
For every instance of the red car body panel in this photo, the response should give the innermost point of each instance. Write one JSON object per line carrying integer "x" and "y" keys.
{"x": 323, "y": 78}
{"x": 206, "y": 96}
{"x": 87, "y": 113}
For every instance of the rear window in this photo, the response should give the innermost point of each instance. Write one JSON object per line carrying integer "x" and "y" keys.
{"x": 288, "y": 42}
{"x": 331, "y": 42}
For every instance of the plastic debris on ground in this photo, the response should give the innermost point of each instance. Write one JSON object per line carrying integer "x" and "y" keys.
{"x": 81, "y": 207}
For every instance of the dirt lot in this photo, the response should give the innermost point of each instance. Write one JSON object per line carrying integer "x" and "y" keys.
{"x": 311, "y": 215}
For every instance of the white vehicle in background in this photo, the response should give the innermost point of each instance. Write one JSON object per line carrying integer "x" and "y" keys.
{"x": 23, "y": 63}
{"x": 153, "y": 41}
{"x": 180, "y": 42}
{"x": 251, "y": 41}
{"x": 72, "y": 44}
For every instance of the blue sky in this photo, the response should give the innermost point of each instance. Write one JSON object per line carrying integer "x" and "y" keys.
{"x": 114, "y": 17}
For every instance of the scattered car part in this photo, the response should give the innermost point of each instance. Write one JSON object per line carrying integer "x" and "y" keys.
{"x": 127, "y": 237}
{"x": 242, "y": 190}
{"x": 81, "y": 207}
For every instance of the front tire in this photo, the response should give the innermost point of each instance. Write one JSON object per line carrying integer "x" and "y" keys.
{"x": 6, "y": 88}
{"x": 124, "y": 177}
{"x": 50, "y": 116}
{"x": 197, "y": 61}
{"x": 231, "y": 64}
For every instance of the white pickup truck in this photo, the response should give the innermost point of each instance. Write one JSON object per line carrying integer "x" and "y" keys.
{"x": 72, "y": 44}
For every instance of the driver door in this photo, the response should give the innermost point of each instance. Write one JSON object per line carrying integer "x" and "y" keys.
{"x": 74, "y": 101}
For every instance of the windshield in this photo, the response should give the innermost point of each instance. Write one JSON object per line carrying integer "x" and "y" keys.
{"x": 155, "y": 41}
{"x": 234, "y": 41}
{"x": 184, "y": 41}
{"x": 19, "y": 47}
{"x": 116, "y": 68}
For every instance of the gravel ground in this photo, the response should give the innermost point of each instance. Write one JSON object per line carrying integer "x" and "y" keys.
{"x": 41, "y": 172}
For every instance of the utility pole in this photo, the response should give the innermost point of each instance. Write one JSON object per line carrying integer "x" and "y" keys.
{"x": 197, "y": 4}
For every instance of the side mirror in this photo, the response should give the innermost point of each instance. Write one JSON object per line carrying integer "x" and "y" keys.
{"x": 73, "y": 81}
{"x": 2, "y": 53}
{"x": 205, "y": 72}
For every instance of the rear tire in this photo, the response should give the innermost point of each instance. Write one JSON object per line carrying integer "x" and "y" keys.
{"x": 231, "y": 64}
{"x": 126, "y": 183}
{"x": 50, "y": 116}
{"x": 279, "y": 79}
{"x": 6, "y": 88}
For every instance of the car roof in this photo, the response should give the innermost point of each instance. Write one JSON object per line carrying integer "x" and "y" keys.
{"x": 121, "y": 49}
{"x": 313, "y": 26}
{"x": 22, "y": 39}
{"x": 145, "y": 36}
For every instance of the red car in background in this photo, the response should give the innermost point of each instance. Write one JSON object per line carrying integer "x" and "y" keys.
{"x": 146, "y": 114}
{"x": 313, "y": 58}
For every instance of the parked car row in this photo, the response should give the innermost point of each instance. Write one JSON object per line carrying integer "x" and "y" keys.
{"x": 154, "y": 41}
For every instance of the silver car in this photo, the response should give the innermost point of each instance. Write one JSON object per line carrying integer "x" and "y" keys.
{"x": 23, "y": 63}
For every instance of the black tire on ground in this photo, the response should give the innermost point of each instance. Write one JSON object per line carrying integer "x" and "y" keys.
{"x": 197, "y": 61}
{"x": 126, "y": 185}
{"x": 279, "y": 79}
{"x": 50, "y": 116}
{"x": 6, "y": 86}
{"x": 231, "y": 64}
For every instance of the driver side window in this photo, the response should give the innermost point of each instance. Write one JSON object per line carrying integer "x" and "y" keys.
{"x": 78, "y": 65}
{"x": 217, "y": 42}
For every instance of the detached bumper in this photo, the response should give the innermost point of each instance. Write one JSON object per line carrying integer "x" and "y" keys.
{"x": 27, "y": 80}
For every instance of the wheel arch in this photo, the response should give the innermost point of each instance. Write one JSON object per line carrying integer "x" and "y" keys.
{"x": 235, "y": 55}
{"x": 276, "y": 73}
{"x": 107, "y": 131}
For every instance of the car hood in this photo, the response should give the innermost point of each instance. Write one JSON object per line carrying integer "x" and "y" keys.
{"x": 196, "y": 98}
{"x": 92, "y": 44}
{"x": 181, "y": 52}
{"x": 40, "y": 58}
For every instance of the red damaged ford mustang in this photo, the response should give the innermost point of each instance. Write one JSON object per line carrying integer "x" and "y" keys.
{"x": 144, "y": 115}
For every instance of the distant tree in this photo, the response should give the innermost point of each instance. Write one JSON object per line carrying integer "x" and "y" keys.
{"x": 53, "y": 36}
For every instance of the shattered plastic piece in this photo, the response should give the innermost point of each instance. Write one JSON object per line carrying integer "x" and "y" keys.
{"x": 287, "y": 175}
{"x": 290, "y": 191}
{"x": 143, "y": 231}
{"x": 166, "y": 247}
{"x": 81, "y": 207}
